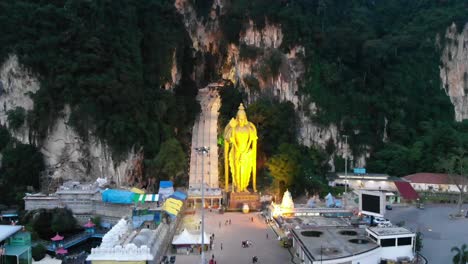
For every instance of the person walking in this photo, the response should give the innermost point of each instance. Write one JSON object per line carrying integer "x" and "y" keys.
{"x": 267, "y": 235}
{"x": 229, "y": 221}
{"x": 219, "y": 224}
{"x": 221, "y": 246}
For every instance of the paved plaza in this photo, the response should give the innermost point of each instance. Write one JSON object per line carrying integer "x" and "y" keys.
{"x": 440, "y": 233}
{"x": 241, "y": 228}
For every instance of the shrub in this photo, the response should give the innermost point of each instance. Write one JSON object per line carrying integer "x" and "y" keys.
{"x": 16, "y": 117}
{"x": 38, "y": 252}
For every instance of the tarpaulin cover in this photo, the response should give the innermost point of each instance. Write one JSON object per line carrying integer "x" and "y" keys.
{"x": 179, "y": 195}
{"x": 117, "y": 196}
{"x": 136, "y": 190}
{"x": 174, "y": 201}
{"x": 165, "y": 184}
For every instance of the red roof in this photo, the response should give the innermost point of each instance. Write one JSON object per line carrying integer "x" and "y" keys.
{"x": 89, "y": 224}
{"x": 61, "y": 251}
{"x": 406, "y": 190}
{"x": 429, "y": 178}
{"x": 57, "y": 237}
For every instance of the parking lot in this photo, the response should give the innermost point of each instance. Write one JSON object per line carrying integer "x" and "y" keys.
{"x": 440, "y": 233}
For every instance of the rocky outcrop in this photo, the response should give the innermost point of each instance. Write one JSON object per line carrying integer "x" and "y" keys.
{"x": 67, "y": 156}
{"x": 205, "y": 33}
{"x": 250, "y": 72}
{"x": 454, "y": 69}
{"x": 268, "y": 37}
{"x": 175, "y": 73}
{"x": 17, "y": 85}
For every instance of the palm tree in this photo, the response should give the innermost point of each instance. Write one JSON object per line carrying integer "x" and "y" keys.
{"x": 462, "y": 254}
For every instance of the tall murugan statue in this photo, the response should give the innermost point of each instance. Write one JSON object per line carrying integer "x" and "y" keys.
{"x": 240, "y": 152}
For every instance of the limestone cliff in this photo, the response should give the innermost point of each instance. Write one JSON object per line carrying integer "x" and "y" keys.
{"x": 16, "y": 87}
{"x": 250, "y": 72}
{"x": 454, "y": 69}
{"x": 66, "y": 155}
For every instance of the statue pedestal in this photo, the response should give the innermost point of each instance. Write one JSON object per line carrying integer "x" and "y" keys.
{"x": 237, "y": 201}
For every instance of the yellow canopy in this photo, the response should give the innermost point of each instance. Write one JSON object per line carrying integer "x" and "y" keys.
{"x": 136, "y": 190}
{"x": 174, "y": 201}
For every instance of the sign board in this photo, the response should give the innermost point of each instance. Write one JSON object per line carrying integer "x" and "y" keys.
{"x": 372, "y": 203}
{"x": 359, "y": 170}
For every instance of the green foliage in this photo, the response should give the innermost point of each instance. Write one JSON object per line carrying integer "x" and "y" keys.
{"x": 16, "y": 117}
{"x": 275, "y": 123}
{"x": 371, "y": 67}
{"x": 170, "y": 163}
{"x": 47, "y": 222}
{"x": 96, "y": 220}
{"x": 38, "y": 252}
{"x": 108, "y": 61}
{"x": 63, "y": 221}
{"x": 419, "y": 242}
{"x": 21, "y": 165}
{"x": 202, "y": 7}
{"x": 230, "y": 101}
{"x": 4, "y": 137}
{"x": 461, "y": 255}
{"x": 252, "y": 83}
{"x": 284, "y": 165}
{"x": 249, "y": 52}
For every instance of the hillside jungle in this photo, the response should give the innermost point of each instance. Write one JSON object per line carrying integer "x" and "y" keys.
{"x": 366, "y": 60}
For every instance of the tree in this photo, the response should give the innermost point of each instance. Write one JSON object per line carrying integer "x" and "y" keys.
{"x": 284, "y": 166}
{"x": 170, "y": 161}
{"x": 419, "y": 242}
{"x": 461, "y": 256}
{"x": 62, "y": 220}
{"x": 456, "y": 166}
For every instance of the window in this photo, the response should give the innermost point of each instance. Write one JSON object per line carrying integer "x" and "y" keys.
{"x": 404, "y": 241}
{"x": 388, "y": 242}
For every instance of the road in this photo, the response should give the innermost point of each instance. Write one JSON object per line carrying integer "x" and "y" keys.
{"x": 205, "y": 134}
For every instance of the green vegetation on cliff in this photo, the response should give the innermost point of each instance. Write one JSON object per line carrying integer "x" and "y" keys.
{"x": 372, "y": 68}
{"x": 108, "y": 60}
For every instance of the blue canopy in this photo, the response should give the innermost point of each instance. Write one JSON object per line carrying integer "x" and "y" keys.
{"x": 179, "y": 196}
{"x": 330, "y": 200}
{"x": 117, "y": 196}
{"x": 165, "y": 184}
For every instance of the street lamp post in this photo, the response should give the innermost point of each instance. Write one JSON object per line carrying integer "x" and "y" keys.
{"x": 203, "y": 150}
{"x": 346, "y": 170}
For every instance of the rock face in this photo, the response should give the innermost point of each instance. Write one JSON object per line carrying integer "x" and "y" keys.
{"x": 66, "y": 155}
{"x": 454, "y": 69}
{"x": 16, "y": 87}
{"x": 249, "y": 72}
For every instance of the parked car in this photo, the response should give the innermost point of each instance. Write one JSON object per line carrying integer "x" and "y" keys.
{"x": 173, "y": 258}
{"x": 381, "y": 220}
{"x": 385, "y": 224}
{"x": 388, "y": 207}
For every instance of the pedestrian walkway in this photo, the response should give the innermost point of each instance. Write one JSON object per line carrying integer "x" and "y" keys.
{"x": 267, "y": 249}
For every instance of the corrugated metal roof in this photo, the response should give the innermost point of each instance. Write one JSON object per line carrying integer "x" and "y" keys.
{"x": 406, "y": 190}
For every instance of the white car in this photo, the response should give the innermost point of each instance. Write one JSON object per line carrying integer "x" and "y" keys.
{"x": 384, "y": 224}
{"x": 381, "y": 220}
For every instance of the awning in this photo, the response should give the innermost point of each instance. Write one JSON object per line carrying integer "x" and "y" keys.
{"x": 8, "y": 230}
{"x": 406, "y": 190}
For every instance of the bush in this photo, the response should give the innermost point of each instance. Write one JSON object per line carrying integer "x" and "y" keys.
{"x": 16, "y": 117}
{"x": 38, "y": 252}
{"x": 249, "y": 52}
{"x": 252, "y": 83}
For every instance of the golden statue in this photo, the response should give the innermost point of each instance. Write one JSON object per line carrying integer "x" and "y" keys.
{"x": 240, "y": 152}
